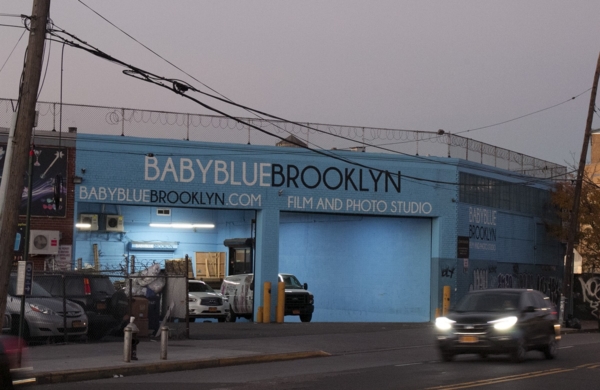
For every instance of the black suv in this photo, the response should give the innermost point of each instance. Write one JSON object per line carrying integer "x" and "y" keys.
{"x": 494, "y": 321}
{"x": 92, "y": 291}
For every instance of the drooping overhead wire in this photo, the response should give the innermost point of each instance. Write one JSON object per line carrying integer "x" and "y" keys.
{"x": 13, "y": 49}
{"x": 526, "y": 115}
{"x": 152, "y": 51}
{"x": 181, "y": 87}
{"x": 262, "y": 115}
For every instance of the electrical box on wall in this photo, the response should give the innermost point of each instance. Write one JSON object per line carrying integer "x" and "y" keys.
{"x": 44, "y": 242}
{"x": 114, "y": 223}
{"x": 91, "y": 219}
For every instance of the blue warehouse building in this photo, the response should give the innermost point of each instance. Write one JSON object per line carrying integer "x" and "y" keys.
{"x": 377, "y": 236}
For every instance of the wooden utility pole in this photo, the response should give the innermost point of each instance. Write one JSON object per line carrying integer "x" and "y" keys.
{"x": 567, "y": 297}
{"x": 9, "y": 215}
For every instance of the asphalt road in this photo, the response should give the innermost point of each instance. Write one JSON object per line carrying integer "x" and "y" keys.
{"x": 410, "y": 362}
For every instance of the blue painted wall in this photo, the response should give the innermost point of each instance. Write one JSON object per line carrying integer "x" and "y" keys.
{"x": 338, "y": 223}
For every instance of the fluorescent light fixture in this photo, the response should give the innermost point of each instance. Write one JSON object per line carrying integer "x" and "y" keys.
{"x": 81, "y": 225}
{"x": 183, "y": 225}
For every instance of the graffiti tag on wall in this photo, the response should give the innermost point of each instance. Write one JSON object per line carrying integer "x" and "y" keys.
{"x": 591, "y": 293}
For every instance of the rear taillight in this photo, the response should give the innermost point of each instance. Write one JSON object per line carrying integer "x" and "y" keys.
{"x": 86, "y": 286}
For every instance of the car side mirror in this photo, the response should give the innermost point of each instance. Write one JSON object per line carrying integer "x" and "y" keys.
{"x": 305, "y": 286}
{"x": 529, "y": 309}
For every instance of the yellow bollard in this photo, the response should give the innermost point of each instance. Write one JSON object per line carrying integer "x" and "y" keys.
{"x": 280, "y": 302}
{"x": 267, "y": 303}
{"x": 446, "y": 300}
{"x": 259, "y": 316}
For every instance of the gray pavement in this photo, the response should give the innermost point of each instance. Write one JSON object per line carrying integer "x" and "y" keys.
{"x": 215, "y": 345}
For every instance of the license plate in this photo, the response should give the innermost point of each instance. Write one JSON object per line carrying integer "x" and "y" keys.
{"x": 468, "y": 339}
{"x": 296, "y": 312}
{"x": 77, "y": 324}
{"x": 212, "y": 309}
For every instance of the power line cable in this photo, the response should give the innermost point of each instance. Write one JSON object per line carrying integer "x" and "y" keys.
{"x": 149, "y": 49}
{"x": 181, "y": 87}
{"x": 259, "y": 113}
{"x": 256, "y": 112}
{"x": 47, "y": 59}
{"x": 13, "y": 49}
{"x": 10, "y": 25}
{"x": 526, "y": 115}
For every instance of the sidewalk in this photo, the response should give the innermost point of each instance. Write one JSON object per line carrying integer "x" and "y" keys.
{"x": 217, "y": 345}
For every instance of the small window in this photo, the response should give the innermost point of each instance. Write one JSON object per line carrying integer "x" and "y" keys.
{"x": 163, "y": 212}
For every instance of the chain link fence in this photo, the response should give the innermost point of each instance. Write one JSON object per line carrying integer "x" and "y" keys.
{"x": 127, "y": 122}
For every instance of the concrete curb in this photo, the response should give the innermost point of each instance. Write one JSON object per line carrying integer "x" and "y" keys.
{"x": 167, "y": 366}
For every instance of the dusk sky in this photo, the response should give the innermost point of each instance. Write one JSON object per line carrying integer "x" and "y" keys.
{"x": 420, "y": 65}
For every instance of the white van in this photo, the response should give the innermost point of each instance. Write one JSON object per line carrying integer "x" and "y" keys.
{"x": 239, "y": 290}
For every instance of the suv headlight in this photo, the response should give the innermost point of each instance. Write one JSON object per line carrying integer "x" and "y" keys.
{"x": 41, "y": 309}
{"x": 444, "y": 323}
{"x": 504, "y": 323}
{"x": 192, "y": 299}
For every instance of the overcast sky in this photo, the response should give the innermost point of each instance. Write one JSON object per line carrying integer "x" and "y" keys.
{"x": 420, "y": 65}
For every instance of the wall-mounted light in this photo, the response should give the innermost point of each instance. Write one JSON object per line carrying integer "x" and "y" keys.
{"x": 81, "y": 225}
{"x": 77, "y": 179}
{"x": 183, "y": 225}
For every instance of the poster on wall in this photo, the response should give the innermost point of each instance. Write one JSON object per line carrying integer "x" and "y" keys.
{"x": 462, "y": 247}
{"x": 63, "y": 260}
{"x": 49, "y": 182}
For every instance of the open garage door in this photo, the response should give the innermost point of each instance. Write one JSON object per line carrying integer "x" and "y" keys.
{"x": 360, "y": 268}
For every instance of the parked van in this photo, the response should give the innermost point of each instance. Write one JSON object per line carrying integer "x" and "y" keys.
{"x": 239, "y": 290}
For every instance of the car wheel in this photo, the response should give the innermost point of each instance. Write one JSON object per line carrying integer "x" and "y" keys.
{"x": 305, "y": 317}
{"x": 518, "y": 354}
{"x": 447, "y": 356}
{"x": 551, "y": 349}
{"x": 230, "y": 317}
{"x": 221, "y": 319}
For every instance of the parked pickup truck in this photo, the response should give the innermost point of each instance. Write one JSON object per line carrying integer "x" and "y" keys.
{"x": 239, "y": 290}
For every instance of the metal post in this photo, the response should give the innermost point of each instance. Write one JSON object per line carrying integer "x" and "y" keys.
{"x": 280, "y": 302}
{"x": 446, "y": 300}
{"x": 127, "y": 345}
{"x": 164, "y": 340}
{"x": 267, "y": 303}
{"x": 64, "y": 302}
{"x": 187, "y": 293}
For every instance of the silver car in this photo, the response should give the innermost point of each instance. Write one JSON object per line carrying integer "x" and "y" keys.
{"x": 44, "y": 314}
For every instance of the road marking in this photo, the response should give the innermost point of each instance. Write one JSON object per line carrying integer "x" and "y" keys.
{"x": 381, "y": 350}
{"x": 23, "y": 381}
{"x": 407, "y": 364}
{"x": 493, "y": 381}
{"x": 587, "y": 365}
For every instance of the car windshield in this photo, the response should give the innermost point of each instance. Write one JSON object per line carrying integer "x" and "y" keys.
{"x": 199, "y": 287}
{"x": 291, "y": 281}
{"x": 489, "y": 302}
{"x": 102, "y": 285}
{"x": 37, "y": 291}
